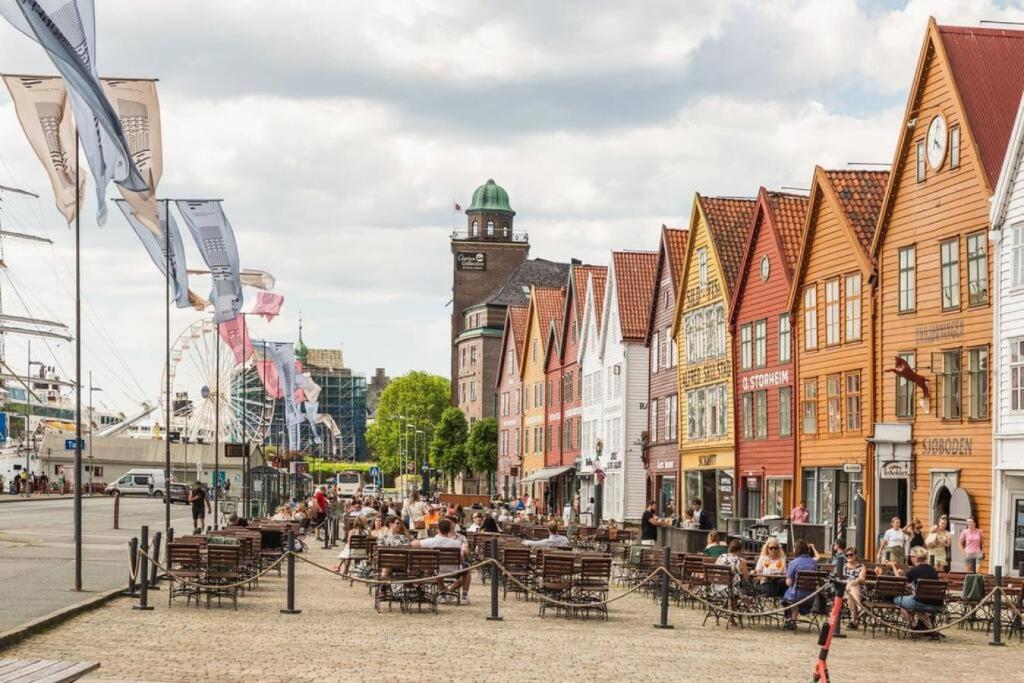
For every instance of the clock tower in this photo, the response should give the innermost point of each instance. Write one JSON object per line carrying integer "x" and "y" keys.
{"x": 484, "y": 254}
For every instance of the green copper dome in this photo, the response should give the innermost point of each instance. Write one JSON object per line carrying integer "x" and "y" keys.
{"x": 300, "y": 349}
{"x": 491, "y": 197}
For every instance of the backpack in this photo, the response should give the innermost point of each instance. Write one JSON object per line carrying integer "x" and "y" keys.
{"x": 974, "y": 588}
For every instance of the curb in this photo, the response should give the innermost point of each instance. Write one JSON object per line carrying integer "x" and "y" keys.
{"x": 48, "y": 621}
{"x": 10, "y": 498}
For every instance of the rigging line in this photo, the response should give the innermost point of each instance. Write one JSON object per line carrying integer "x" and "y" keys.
{"x": 17, "y": 292}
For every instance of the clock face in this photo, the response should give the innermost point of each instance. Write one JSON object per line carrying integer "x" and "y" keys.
{"x": 766, "y": 267}
{"x": 936, "y": 142}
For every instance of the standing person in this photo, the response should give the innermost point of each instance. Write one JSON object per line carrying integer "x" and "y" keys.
{"x": 893, "y": 542}
{"x": 649, "y": 523}
{"x": 800, "y": 514}
{"x": 417, "y": 510}
{"x": 938, "y": 543}
{"x": 702, "y": 518}
{"x": 321, "y": 500}
{"x": 913, "y": 532}
{"x": 200, "y": 506}
{"x": 803, "y": 562}
{"x": 970, "y": 544}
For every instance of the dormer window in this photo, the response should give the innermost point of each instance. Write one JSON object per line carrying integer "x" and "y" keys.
{"x": 490, "y": 228}
{"x": 473, "y": 229}
{"x": 702, "y": 266}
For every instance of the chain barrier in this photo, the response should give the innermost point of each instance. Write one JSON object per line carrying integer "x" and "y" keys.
{"x": 937, "y": 629}
{"x": 722, "y": 610}
{"x": 397, "y": 582}
{"x": 197, "y": 584}
{"x": 559, "y": 603}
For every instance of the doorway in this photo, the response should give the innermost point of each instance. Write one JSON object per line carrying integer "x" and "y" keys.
{"x": 941, "y": 505}
{"x": 892, "y": 501}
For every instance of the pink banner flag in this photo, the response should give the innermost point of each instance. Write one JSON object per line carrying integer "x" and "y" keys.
{"x": 267, "y": 304}
{"x": 234, "y": 334}
{"x": 267, "y": 371}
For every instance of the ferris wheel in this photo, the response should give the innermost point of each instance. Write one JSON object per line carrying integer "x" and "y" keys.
{"x": 246, "y": 410}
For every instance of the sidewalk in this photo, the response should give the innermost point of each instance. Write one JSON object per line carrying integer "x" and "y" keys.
{"x": 339, "y": 636}
{"x": 13, "y": 498}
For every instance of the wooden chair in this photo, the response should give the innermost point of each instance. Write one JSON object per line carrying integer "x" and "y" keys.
{"x": 392, "y": 563}
{"x": 556, "y": 580}
{"x": 880, "y": 601}
{"x": 184, "y": 562}
{"x": 423, "y": 563}
{"x": 450, "y": 559}
{"x": 518, "y": 565}
{"x": 931, "y": 591}
{"x": 223, "y": 567}
{"x": 591, "y": 587}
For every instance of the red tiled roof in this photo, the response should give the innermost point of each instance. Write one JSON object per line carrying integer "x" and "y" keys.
{"x": 988, "y": 67}
{"x": 675, "y": 241}
{"x": 634, "y": 281}
{"x": 728, "y": 222}
{"x": 519, "y": 315}
{"x": 860, "y": 194}
{"x": 548, "y": 301}
{"x": 581, "y": 274}
{"x": 789, "y": 213}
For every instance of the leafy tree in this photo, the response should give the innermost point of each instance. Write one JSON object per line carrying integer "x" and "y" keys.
{"x": 448, "y": 447}
{"x": 417, "y": 399}
{"x": 482, "y": 449}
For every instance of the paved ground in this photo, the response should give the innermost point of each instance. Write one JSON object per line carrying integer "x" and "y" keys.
{"x": 37, "y": 549}
{"x": 338, "y": 636}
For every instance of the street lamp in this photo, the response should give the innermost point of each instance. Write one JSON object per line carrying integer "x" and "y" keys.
{"x": 28, "y": 418}
{"x": 92, "y": 418}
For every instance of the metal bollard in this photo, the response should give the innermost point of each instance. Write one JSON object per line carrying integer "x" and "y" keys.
{"x": 290, "y": 609}
{"x": 997, "y": 611}
{"x": 154, "y": 579}
{"x": 336, "y": 531}
{"x": 494, "y": 616}
{"x": 327, "y": 534}
{"x": 144, "y": 572}
{"x": 133, "y": 564}
{"x": 666, "y": 563}
{"x": 839, "y": 587}
{"x": 117, "y": 510}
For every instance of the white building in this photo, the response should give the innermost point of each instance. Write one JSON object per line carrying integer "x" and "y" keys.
{"x": 591, "y": 374}
{"x": 1007, "y": 221}
{"x": 615, "y": 366}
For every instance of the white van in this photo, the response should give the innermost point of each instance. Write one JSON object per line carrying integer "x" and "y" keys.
{"x": 139, "y": 482}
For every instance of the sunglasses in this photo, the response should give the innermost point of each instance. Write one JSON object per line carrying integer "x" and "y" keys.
{"x": 773, "y": 547}
{"x": 851, "y": 554}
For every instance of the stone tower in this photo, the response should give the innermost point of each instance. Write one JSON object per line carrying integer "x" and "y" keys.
{"x": 483, "y": 256}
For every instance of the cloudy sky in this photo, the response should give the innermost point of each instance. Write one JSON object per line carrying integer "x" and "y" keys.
{"x": 338, "y": 134}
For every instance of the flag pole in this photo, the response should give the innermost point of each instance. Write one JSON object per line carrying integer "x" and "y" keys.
{"x": 216, "y": 430}
{"x": 78, "y": 374}
{"x": 167, "y": 362}
{"x": 245, "y": 437}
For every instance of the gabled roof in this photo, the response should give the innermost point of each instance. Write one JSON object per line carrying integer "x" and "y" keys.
{"x": 671, "y": 256}
{"x": 579, "y": 276}
{"x": 515, "y": 290}
{"x": 1008, "y": 173}
{"x": 986, "y": 67}
{"x": 545, "y": 305}
{"x": 728, "y": 220}
{"x": 553, "y": 345}
{"x": 783, "y": 215}
{"x": 634, "y": 286}
{"x": 857, "y": 198}
{"x": 515, "y": 328}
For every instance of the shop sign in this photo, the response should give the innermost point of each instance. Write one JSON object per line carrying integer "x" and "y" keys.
{"x": 765, "y": 380}
{"x": 753, "y": 483}
{"x": 471, "y": 260}
{"x": 894, "y": 470}
{"x": 725, "y": 494}
{"x": 707, "y": 460}
{"x": 947, "y": 446}
{"x": 950, "y": 329}
{"x": 707, "y": 373}
{"x": 852, "y": 468}
{"x": 695, "y": 296}
{"x": 665, "y": 465}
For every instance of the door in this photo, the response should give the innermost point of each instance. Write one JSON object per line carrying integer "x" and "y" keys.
{"x": 1017, "y": 535}
{"x": 892, "y": 501}
{"x": 709, "y": 495}
{"x": 960, "y": 508}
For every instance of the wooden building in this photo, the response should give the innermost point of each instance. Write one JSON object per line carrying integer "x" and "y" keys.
{"x": 832, "y": 307}
{"x": 661, "y": 447}
{"x": 717, "y": 235}
{"x": 762, "y": 347}
{"x": 933, "y": 441}
{"x": 592, "y": 405}
{"x": 510, "y": 400}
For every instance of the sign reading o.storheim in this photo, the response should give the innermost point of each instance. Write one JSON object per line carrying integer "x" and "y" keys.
{"x": 471, "y": 260}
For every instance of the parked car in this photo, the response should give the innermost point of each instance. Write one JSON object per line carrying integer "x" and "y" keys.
{"x": 370, "y": 491}
{"x": 179, "y": 493}
{"x": 140, "y": 482}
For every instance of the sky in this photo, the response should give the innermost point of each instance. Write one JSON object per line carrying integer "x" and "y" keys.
{"x": 339, "y": 134}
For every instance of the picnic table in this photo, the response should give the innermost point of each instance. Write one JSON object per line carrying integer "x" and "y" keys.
{"x": 40, "y": 670}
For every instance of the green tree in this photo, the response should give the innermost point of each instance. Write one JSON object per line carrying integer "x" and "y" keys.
{"x": 417, "y": 399}
{"x": 482, "y": 449}
{"x": 448, "y": 447}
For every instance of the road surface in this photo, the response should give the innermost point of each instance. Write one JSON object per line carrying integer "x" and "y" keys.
{"x": 37, "y": 550}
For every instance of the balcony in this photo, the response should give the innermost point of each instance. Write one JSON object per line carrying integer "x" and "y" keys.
{"x": 499, "y": 236}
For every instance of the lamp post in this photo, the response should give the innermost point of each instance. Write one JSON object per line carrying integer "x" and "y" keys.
{"x": 28, "y": 418}
{"x": 92, "y": 467}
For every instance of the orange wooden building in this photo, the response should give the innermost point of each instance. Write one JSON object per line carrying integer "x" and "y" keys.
{"x": 933, "y": 440}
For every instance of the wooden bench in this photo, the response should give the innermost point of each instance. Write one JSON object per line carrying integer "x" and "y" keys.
{"x": 48, "y": 670}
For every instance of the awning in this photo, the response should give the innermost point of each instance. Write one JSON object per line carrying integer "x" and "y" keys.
{"x": 546, "y": 473}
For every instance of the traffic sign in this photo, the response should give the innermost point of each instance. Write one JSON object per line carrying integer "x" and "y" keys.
{"x": 69, "y": 444}
{"x": 374, "y": 472}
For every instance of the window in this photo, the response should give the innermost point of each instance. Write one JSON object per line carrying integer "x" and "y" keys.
{"x": 567, "y": 389}
{"x": 810, "y": 406}
{"x": 510, "y": 361}
{"x": 785, "y": 341}
{"x": 853, "y": 307}
{"x": 673, "y": 348}
{"x": 538, "y": 395}
{"x": 462, "y": 362}
{"x": 1017, "y": 269}
{"x": 950, "y": 384}
{"x": 1017, "y": 374}
{"x": 853, "y": 401}
{"x": 760, "y": 343}
{"x": 702, "y": 266}
{"x": 785, "y": 411}
{"x": 490, "y": 228}
{"x": 472, "y": 229}
{"x": 977, "y": 369}
{"x": 950, "y": 273}
{"x": 746, "y": 346}
{"x": 704, "y": 330}
{"x": 672, "y": 417}
{"x": 920, "y": 162}
{"x": 549, "y": 394}
{"x": 652, "y": 418}
{"x": 534, "y": 349}
{"x": 707, "y": 412}
{"x": 954, "y": 147}
{"x": 977, "y": 269}
{"x": 572, "y": 331}
{"x": 908, "y": 278}
{"x": 655, "y": 349}
{"x": 748, "y": 415}
{"x": 905, "y": 389}
{"x": 472, "y": 390}
{"x": 832, "y": 312}
{"x": 761, "y": 414}
{"x": 810, "y": 317}
{"x": 834, "y": 404}
{"x": 666, "y": 296}
{"x": 547, "y": 438}
{"x": 472, "y": 355}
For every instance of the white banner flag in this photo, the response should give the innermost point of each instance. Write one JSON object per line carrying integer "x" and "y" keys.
{"x": 283, "y": 356}
{"x": 155, "y": 244}
{"x": 216, "y": 242}
{"x": 66, "y": 29}
{"x": 311, "y": 408}
{"x": 45, "y": 115}
{"x": 138, "y": 110}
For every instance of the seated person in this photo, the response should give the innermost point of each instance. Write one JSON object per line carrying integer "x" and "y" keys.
{"x": 771, "y": 568}
{"x": 909, "y": 605}
{"x": 489, "y": 525}
{"x": 446, "y": 538}
{"x": 478, "y": 521}
{"x": 855, "y": 573}
{"x": 554, "y": 539}
{"x": 716, "y": 546}
{"x": 803, "y": 562}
